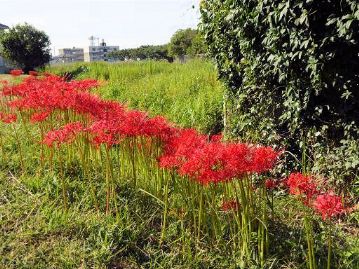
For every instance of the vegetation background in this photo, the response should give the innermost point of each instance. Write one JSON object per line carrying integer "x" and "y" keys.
{"x": 288, "y": 77}
{"x": 37, "y": 233}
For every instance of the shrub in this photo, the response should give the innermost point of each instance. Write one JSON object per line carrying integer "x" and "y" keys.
{"x": 291, "y": 70}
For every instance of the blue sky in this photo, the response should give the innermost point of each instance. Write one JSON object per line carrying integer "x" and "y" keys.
{"x": 126, "y": 23}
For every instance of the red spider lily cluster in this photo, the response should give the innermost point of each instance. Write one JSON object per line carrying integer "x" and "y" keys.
{"x": 16, "y": 72}
{"x": 302, "y": 185}
{"x": 328, "y": 205}
{"x": 191, "y": 154}
{"x": 206, "y": 160}
{"x": 33, "y": 73}
{"x": 230, "y": 205}
{"x": 7, "y": 118}
{"x": 65, "y": 134}
{"x": 271, "y": 184}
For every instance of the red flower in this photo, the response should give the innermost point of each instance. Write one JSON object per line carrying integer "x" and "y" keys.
{"x": 7, "y": 118}
{"x": 328, "y": 205}
{"x": 270, "y": 184}
{"x": 180, "y": 147}
{"x": 40, "y": 116}
{"x": 186, "y": 150}
{"x": 300, "y": 184}
{"x": 213, "y": 162}
{"x": 16, "y": 72}
{"x": 104, "y": 132}
{"x": 263, "y": 158}
{"x": 159, "y": 127}
{"x": 230, "y": 205}
{"x": 216, "y": 138}
{"x": 33, "y": 73}
{"x": 63, "y": 135}
{"x": 208, "y": 164}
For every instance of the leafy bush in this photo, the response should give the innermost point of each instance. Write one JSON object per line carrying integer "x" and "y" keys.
{"x": 292, "y": 73}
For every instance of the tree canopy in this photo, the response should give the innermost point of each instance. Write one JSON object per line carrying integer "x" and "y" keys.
{"x": 186, "y": 42}
{"x": 154, "y": 52}
{"x": 25, "y": 46}
{"x": 183, "y": 42}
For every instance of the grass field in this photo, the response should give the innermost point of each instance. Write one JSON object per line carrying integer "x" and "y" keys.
{"x": 37, "y": 231}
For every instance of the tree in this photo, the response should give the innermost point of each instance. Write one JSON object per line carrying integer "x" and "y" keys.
{"x": 26, "y": 46}
{"x": 181, "y": 41}
{"x": 198, "y": 46}
{"x": 153, "y": 52}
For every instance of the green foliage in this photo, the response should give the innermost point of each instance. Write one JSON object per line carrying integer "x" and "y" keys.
{"x": 183, "y": 42}
{"x": 26, "y": 46}
{"x": 198, "y": 46}
{"x": 148, "y": 52}
{"x": 186, "y": 42}
{"x": 188, "y": 94}
{"x": 291, "y": 70}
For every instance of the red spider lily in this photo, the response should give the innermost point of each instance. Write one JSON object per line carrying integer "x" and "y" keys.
{"x": 300, "y": 184}
{"x": 213, "y": 162}
{"x": 216, "y": 138}
{"x": 47, "y": 93}
{"x": 180, "y": 147}
{"x": 104, "y": 132}
{"x": 263, "y": 158}
{"x": 63, "y": 135}
{"x": 328, "y": 205}
{"x": 16, "y": 72}
{"x": 134, "y": 123}
{"x": 208, "y": 164}
{"x": 84, "y": 85}
{"x": 271, "y": 184}
{"x": 7, "y": 118}
{"x": 159, "y": 127}
{"x": 186, "y": 150}
{"x": 39, "y": 116}
{"x": 33, "y": 73}
{"x": 230, "y": 205}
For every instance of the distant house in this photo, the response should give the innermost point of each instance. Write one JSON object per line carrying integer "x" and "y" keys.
{"x": 99, "y": 53}
{"x": 69, "y": 55}
{"x": 3, "y": 67}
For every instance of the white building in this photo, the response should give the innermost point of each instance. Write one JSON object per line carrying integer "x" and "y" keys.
{"x": 69, "y": 55}
{"x": 99, "y": 53}
{"x": 3, "y": 66}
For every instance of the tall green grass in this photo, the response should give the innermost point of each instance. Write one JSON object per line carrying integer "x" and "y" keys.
{"x": 188, "y": 94}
